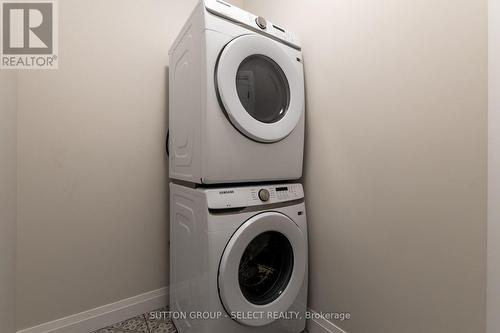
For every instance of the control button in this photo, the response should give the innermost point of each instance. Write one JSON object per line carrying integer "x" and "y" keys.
{"x": 264, "y": 195}
{"x": 261, "y": 22}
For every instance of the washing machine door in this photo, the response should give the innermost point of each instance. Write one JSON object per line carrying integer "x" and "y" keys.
{"x": 262, "y": 268}
{"x": 260, "y": 87}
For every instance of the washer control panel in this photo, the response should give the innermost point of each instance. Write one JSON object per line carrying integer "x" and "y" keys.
{"x": 257, "y": 23}
{"x": 238, "y": 197}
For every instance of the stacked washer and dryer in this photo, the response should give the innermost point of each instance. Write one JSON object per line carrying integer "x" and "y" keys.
{"x": 238, "y": 231}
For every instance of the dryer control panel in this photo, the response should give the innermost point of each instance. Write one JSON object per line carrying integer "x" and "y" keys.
{"x": 256, "y": 23}
{"x": 238, "y": 197}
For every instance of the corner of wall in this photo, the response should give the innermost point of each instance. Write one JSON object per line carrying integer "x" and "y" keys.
{"x": 8, "y": 199}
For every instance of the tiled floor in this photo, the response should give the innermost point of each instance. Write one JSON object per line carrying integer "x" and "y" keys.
{"x": 152, "y": 322}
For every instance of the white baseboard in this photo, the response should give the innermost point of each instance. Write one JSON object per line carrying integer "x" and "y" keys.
{"x": 321, "y": 325}
{"x": 91, "y": 320}
{"x": 106, "y": 315}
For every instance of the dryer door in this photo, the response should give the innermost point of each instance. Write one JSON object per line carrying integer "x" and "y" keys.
{"x": 260, "y": 87}
{"x": 262, "y": 268}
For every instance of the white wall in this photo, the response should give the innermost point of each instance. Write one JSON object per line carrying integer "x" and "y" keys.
{"x": 395, "y": 159}
{"x": 93, "y": 202}
{"x": 8, "y": 198}
{"x": 494, "y": 169}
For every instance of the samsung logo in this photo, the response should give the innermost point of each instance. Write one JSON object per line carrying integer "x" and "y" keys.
{"x": 226, "y": 192}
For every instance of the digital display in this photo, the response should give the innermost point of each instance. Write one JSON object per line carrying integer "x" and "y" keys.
{"x": 281, "y": 189}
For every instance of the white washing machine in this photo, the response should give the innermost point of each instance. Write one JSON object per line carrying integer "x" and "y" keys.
{"x": 238, "y": 259}
{"x": 236, "y": 95}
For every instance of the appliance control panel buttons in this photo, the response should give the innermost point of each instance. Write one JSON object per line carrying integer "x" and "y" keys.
{"x": 261, "y": 22}
{"x": 238, "y": 197}
{"x": 264, "y": 195}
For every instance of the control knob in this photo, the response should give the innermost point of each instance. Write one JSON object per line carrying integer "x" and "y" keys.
{"x": 261, "y": 22}
{"x": 264, "y": 195}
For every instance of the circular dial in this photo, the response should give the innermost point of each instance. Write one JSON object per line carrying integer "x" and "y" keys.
{"x": 261, "y": 22}
{"x": 264, "y": 195}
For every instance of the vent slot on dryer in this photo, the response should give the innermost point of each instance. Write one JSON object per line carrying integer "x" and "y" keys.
{"x": 279, "y": 28}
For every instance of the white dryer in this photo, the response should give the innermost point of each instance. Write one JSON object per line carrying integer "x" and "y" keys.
{"x": 238, "y": 259}
{"x": 236, "y": 99}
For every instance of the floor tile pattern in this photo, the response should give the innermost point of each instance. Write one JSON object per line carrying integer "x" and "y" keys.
{"x": 151, "y": 322}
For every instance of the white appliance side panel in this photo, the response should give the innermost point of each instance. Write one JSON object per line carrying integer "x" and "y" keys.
{"x": 188, "y": 253}
{"x": 185, "y": 107}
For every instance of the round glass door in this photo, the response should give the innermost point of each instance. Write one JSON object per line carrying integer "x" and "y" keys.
{"x": 265, "y": 268}
{"x": 262, "y": 267}
{"x": 260, "y": 87}
{"x": 263, "y": 88}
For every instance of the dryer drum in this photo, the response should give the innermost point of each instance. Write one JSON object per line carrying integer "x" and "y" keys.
{"x": 263, "y": 88}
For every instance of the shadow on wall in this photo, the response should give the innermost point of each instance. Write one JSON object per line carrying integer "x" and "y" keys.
{"x": 305, "y": 165}
{"x": 166, "y": 160}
